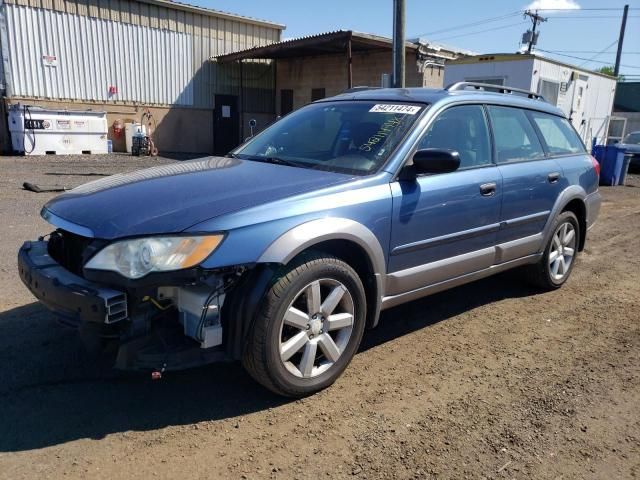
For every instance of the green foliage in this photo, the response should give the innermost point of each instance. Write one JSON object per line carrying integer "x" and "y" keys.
{"x": 608, "y": 70}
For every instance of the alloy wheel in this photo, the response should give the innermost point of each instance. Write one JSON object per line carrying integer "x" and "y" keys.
{"x": 563, "y": 248}
{"x": 316, "y": 328}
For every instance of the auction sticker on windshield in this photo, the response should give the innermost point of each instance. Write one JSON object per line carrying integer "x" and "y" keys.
{"x": 388, "y": 108}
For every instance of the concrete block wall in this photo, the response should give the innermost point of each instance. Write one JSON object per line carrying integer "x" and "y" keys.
{"x": 433, "y": 77}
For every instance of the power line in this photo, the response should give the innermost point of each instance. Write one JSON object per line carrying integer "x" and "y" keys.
{"x": 592, "y": 51}
{"x": 589, "y": 17}
{"x": 586, "y": 59}
{"x": 581, "y": 9}
{"x": 477, "y": 32}
{"x": 520, "y": 12}
{"x": 471, "y": 24}
{"x": 600, "y": 52}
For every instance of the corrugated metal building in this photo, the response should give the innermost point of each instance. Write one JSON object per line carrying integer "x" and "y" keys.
{"x": 122, "y": 55}
{"x": 585, "y": 96}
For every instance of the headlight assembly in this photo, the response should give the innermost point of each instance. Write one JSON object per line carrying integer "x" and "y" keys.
{"x": 137, "y": 257}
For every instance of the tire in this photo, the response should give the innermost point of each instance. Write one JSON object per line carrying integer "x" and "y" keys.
{"x": 555, "y": 266}
{"x": 324, "y": 302}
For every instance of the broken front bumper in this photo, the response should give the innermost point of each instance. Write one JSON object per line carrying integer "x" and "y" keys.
{"x": 71, "y": 297}
{"x": 148, "y": 336}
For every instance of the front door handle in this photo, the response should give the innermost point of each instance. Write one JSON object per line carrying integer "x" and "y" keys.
{"x": 553, "y": 177}
{"x": 488, "y": 189}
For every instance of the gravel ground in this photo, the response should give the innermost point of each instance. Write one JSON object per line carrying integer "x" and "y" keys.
{"x": 489, "y": 380}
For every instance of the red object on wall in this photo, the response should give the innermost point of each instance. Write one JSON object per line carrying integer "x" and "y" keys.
{"x": 118, "y": 128}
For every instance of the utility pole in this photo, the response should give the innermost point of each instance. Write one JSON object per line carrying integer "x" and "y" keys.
{"x": 398, "y": 43}
{"x": 535, "y": 18}
{"x": 616, "y": 69}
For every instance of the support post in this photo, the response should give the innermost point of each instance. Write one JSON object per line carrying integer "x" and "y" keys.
{"x": 349, "y": 63}
{"x": 241, "y": 112}
{"x": 398, "y": 43}
{"x": 535, "y": 18}
{"x": 616, "y": 69}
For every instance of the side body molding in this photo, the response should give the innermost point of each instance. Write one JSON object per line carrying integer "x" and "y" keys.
{"x": 299, "y": 238}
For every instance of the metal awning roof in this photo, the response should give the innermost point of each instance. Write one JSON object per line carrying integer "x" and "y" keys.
{"x": 321, "y": 44}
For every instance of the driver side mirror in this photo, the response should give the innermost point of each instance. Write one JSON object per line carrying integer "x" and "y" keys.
{"x": 431, "y": 161}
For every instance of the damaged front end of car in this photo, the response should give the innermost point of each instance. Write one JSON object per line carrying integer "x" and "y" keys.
{"x": 144, "y": 302}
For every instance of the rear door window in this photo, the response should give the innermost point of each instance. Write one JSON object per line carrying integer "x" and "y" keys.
{"x": 558, "y": 134}
{"x": 514, "y": 136}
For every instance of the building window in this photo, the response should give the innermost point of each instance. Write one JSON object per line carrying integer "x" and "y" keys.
{"x": 286, "y": 101}
{"x": 549, "y": 90}
{"x": 317, "y": 94}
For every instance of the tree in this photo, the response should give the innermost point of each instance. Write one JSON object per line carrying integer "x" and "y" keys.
{"x": 608, "y": 70}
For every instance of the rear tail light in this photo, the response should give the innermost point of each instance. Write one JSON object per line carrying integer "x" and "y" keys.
{"x": 596, "y": 165}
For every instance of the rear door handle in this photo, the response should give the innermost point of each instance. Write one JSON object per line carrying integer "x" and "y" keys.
{"x": 553, "y": 177}
{"x": 488, "y": 189}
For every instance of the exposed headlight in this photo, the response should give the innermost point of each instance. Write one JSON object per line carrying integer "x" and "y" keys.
{"x": 138, "y": 257}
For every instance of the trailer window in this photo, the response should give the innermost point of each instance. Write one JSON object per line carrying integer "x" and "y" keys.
{"x": 549, "y": 90}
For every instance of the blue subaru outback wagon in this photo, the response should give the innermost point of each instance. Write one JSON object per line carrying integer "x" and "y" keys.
{"x": 283, "y": 252}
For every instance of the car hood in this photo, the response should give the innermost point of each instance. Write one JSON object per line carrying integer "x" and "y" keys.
{"x": 171, "y": 198}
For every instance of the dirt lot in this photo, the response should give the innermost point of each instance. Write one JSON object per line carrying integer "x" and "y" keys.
{"x": 490, "y": 380}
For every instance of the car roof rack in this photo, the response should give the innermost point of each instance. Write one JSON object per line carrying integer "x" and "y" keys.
{"x": 493, "y": 88}
{"x": 361, "y": 88}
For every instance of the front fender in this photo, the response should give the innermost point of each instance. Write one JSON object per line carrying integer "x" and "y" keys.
{"x": 306, "y": 235}
{"x": 303, "y": 236}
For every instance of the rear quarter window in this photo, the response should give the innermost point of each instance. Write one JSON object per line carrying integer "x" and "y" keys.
{"x": 558, "y": 134}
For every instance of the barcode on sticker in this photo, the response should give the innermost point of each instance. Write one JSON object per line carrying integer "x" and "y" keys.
{"x": 389, "y": 108}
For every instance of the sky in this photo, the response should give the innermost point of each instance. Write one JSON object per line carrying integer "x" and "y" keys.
{"x": 581, "y": 29}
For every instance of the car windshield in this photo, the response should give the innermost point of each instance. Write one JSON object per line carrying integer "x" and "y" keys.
{"x": 353, "y": 137}
{"x": 632, "y": 138}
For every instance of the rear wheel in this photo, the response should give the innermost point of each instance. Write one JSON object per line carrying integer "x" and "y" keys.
{"x": 556, "y": 264}
{"x": 309, "y": 327}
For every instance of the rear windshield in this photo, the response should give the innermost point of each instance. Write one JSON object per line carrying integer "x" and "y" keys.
{"x": 632, "y": 138}
{"x": 348, "y": 137}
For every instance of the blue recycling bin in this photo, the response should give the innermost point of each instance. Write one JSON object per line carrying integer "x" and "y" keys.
{"x": 625, "y": 167}
{"x": 613, "y": 164}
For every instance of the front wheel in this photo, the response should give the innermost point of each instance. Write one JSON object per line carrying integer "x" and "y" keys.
{"x": 309, "y": 326}
{"x": 556, "y": 264}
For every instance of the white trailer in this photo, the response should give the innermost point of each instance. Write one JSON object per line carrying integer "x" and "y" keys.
{"x": 585, "y": 96}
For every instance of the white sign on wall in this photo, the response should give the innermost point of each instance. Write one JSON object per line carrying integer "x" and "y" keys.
{"x": 49, "y": 60}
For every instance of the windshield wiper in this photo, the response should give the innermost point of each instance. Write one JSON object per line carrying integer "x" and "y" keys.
{"x": 276, "y": 160}
{"x": 282, "y": 161}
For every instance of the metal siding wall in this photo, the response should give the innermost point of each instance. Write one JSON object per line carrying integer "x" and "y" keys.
{"x": 140, "y": 13}
{"x": 92, "y": 54}
{"x": 120, "y": 47}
